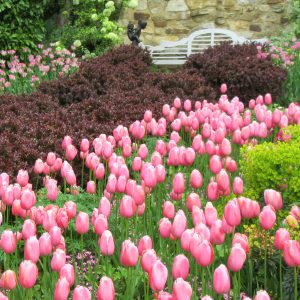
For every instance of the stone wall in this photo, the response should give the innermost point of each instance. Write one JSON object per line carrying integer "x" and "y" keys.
{"x": 170, "y": 20}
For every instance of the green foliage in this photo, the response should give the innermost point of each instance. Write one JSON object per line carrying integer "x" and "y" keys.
{"x": 292, "y": 86}
{"x": 276, "y": 166}
{"x": 91, "y": 26}
{"x": 21, "y": 24}
{"x": 294, "y": 17}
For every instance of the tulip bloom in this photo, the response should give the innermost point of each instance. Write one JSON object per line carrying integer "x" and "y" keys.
{"x": 106, "y": 289}
{"x": 81, "y": 292}
{"x": 273, "y": 198}
{"x": 62, "y": 289}
{"x": 291, "y": 253}
{"x": 32, "y": 249}
{"x": 281, "y": 236}
{"x": 179, "y": 224}
{"x": 182, "y": 290}
{"x": 181, "y": 267}
{"x": 106, "y": 243}
{"x": 129, "y": 254}
{"x": 82, "y": 223}
{"x": 8, "y": 280}
{"x": 221, "y": 280}
{"x": 158, "y": 276}
{"x": 28, "y": 273}
{"x": 236, "y": 258}
{"x": 232, "y": 213}
{"x": 148, "y": 259}
{"x": 262, "y": 295}
{"x": 58, "y": 260}
{"x": 8, "y": 241}
{"x": 267, "y": 217}
{"x": 144, "y": 244}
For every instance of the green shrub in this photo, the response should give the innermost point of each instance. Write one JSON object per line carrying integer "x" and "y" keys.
{"x": 21, "y": 24}
{"x": 273, "y": 165}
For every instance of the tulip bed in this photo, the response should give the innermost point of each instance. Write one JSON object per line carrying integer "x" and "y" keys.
{"x": 163, "y": 214}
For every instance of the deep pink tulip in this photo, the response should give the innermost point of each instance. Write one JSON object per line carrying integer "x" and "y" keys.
{"x": 181, "y": 267}
{"x": 232, "y": 213}
{"x": 281, "y": 236}
{"x": 291, "y": 253}
{"x": 8, "y": 241}
{"x": 273, "y": 198}
{"x": 106, "y": 289}
{"x": 205, "y": 254}
{"x": 45, "y": 244}
{"x": 144, "y": 244}
{"x": 62, "y": 289}
{"x": 67, "y": 271}
{"x": 267, "y": 217}
{"x": 164, "y": 227}
{"x": 82, "y": 223}
{"x": 106, "y": 243}
{"x": 236, "y": 258}
{"x": 262, "y": 295}
{"x": 158, "y": 276}
{"x": 211, "y": 214}
{"x": 28, "y": 273}
{"x": 32, "y": 249}
{"x": 179, "y": 224}
{"x": 81, "y": 293}
{"x": 129, "y": 254}
{"x": 8, "y": 280}
{"x": 221, "y": 280}
{"x": 148, "y": 259}
{"x": 58, "y": 260}
{"x": 182, "y": 290}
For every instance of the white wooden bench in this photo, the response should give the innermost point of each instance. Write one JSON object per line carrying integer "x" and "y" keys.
{"x": 176, "y": 53}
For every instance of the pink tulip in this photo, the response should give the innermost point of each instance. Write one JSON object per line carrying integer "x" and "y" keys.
{"x": 158, "y": 276}
{"x": 215, "y": 164}
{"x": 242, "y": 240}
{"x": 55, "y": 234}
{"x": 185, "y": 239}
{"x": 223, "y": 88}
{"x": 71, "y": 152}
{"x": 291, "y": 253}
{"x": 8, "y": 280}
{"x": 236, "y": 258}
{"x": 84, "y": 145}
{"x": 179, "y": 224}
{"x": 196, "y": 179}
{"x": 100, "y": 224}
{"x": 205, "y": 254}
{"x": 67, "y": 271}
{"x": 221, "y": 280}
{"x": 22, "y": 178}
{"x": 164, "y": 296}
{"x": 28, "y": 199}
{"x": 211, "y": 214}
{"x": 62, "y": 289}
{"x": 181, "y": 267}
{"x": 144, "y": 244}
{"x": 267, "y": 217}
{"x": 206, "y": 298}
{"x": 91, "y": 187}
{"x": 168, "y": 210}
{"x": 281, "y": 236}
{"x": 232, "y": 213}
{"x": 212, "y": 191}
{"x": 178, "y": 183}
{"x": 45, "y": 244}
{"x": 273, "y": 198}
{"x": 71, "y": 209}
{"x": 238, "y": 186}
{"x": 106, "y": 289}
{"x": 268, "y": 99}
{"x": 217, "y": 235}
{"x": 66, "y": 141}
{"x": 295, "y": 212}
{"x": 51, "y": 157}
{"x": 8, "y": 241}
{"x": 81, "y": 293}
{"x": 28, "y": 229}
{"x": 193, "y": 199}
{"x": 32, "y": 249}
{"x": 182, "y": 290}
{"x": 38, "y": 166}
{"x": 262, "y": 295}
{"x": 129, "y": 254}
{"x": 28, "y": 273}
{"x": 106, "y": 243}
{"x": 127, "y": 207}
{"x": 165, "y": 227}
{"x": 223, "y": 180}
{"x": 148, "y": 259}
{"x": 82, "y": 223}
{"x": 198, "y": 216}
{"x": 225, "y": 147}
{"x": 58, "y": 260}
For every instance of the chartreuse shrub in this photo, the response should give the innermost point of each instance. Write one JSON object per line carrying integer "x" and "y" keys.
{"x": 273, "y": 165}
{"x": 21, "y": 24}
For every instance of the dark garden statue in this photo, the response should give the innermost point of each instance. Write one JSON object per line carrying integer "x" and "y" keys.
{"x": 134, "y": 33}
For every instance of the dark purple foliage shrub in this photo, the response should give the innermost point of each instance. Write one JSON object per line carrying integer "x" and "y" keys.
{"x": 246, "y": 75}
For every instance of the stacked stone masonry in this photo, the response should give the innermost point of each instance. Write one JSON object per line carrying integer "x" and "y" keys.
{"x": 171, "y": 20}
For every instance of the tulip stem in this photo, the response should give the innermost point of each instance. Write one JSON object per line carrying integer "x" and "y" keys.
{"x": 82, "y": 171}
{"x": 280, "y": 276}
{"x": 82, "y": 253}
{"x": 203, "y": 282}
{"x": 296, "y": 284}
{"x": 265, "y": 265}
